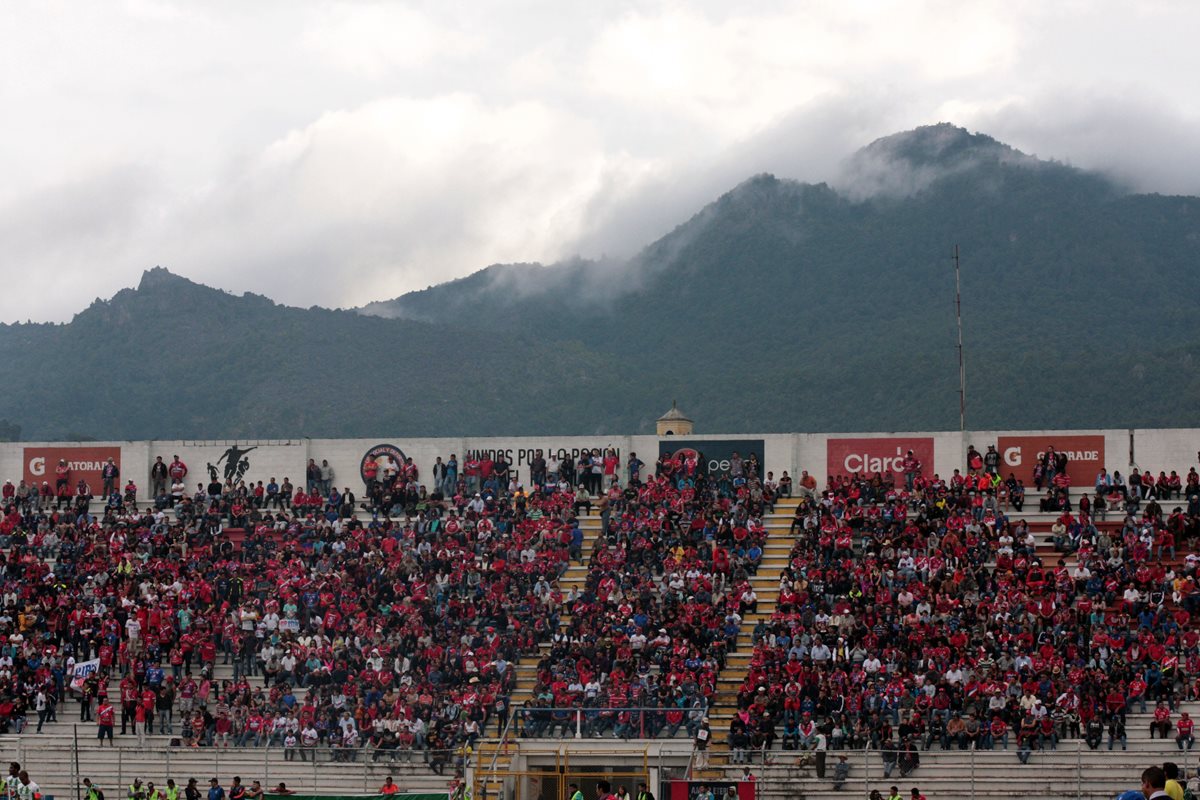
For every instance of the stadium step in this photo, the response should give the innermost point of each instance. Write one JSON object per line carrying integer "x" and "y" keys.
{"x": 765, "y": 582}
{"x": 494, "y": 754}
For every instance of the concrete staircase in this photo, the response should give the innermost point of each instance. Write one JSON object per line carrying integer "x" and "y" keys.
{"x": 776, "y": 550}
{"x": 494, "y": 755}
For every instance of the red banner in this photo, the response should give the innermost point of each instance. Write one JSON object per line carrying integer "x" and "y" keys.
{"x": 41, "y": 464}
{"x": 1019, "y": 455}
{"x": 871, "y": 455}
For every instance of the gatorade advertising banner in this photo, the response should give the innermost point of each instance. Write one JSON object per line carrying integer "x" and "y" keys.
{"x": 1019, "y": 455}
{"x": 41, "y": 464}
{"x": 879, "y": 454}
{"x": 715, "y": 453}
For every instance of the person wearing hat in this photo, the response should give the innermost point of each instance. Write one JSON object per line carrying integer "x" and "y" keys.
{"x": 841, "y": 771}
{"x": 215, "y": 792}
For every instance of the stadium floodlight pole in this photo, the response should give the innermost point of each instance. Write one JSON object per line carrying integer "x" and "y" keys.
{"x": 962, "y": 369}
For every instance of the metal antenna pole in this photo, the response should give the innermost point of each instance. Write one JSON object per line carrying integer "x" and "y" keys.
{"x": 962, "y": 369}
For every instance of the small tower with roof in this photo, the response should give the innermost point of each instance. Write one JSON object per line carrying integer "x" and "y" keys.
{"x": 674, "y": 423}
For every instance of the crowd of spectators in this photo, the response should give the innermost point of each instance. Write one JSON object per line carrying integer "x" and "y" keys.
{"x": 666, "y": 588}
{"x": 384, "y": 627}
{"x": 915, "y": 611}
{"x": 920, "y": 612}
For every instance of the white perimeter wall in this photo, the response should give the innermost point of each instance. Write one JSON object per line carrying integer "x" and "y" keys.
{"x": 1166, "y": 449}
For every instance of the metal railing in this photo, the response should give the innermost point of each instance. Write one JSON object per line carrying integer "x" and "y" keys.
{"x": 587, "y": 722}
{"x": 1069, "y": 769}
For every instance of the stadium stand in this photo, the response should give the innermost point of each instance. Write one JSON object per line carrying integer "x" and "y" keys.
{"x": 920, "y": 626}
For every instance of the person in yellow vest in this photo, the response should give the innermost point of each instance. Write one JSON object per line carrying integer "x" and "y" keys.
{"x": 91, "y": 791}
{"x": 644, "y": 792}
{"x": 171, "y": 792}
{"x": 574, "y": 792}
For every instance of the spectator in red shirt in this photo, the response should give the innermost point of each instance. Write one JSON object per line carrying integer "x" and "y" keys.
{"x": 1184, "y": 727}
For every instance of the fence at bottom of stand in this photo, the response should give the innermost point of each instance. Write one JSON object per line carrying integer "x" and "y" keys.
{"x": 554, "y": 782}
{"x": 60, "y": 768}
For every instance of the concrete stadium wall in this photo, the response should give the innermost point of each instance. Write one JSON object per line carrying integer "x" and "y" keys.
{"x": 819, "y": 454}
{"x": 1166, "y": 449}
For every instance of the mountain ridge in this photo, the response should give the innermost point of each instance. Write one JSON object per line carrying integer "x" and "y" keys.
{"x": 779, "y": 306}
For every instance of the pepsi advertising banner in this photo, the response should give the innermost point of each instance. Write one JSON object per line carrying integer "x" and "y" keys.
{"x": 715, "y": 454}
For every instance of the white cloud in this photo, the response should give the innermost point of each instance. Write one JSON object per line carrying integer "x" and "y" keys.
{"x": 370, "y": 39}
{"x": 369, "y": 202}
{"x": 339, "y": 152}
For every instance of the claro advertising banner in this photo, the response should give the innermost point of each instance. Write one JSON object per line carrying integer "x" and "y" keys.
{"x": 85, "y": 462}
{"x": 877, "y": 454}
{"x": 1020, "y": 454}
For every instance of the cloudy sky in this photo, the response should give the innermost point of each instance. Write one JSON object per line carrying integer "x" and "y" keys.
{"x": 338, "y": 153}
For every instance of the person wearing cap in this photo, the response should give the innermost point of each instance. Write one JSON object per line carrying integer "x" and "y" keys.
{"x": 215, "y": 791}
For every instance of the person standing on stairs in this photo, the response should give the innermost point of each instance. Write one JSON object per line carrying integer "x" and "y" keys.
{"x": 820, "y": 751}
{"x": 701, "y": 744}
